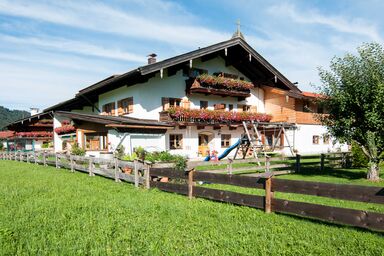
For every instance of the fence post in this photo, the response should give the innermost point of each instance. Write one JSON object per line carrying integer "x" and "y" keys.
{"x": 343, "y": 160}
{"x": 90, "y": 167}
{"x": 72, "y": 166}
{"x": 298, "y": 156}
{"x": 117, "y": 170}
{"x": 322, "y": 158}
{"x": 136, "y": 173}
{"x": 56, "y": 162}
{"x": 229, "y": 167}
{"x": 147, "y": 175}
{"x": 268, "y": 194}
{"x": 27, "y": 157}
{"x": 44, "y": 159}
{"x": 34, "y": 157}
{"x": 190, "y": 183}
{"x": 267, "y": 163}
{"x": 15, "y": 155}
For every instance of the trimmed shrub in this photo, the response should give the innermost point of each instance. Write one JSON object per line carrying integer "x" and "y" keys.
{"x": 359, "y": 159}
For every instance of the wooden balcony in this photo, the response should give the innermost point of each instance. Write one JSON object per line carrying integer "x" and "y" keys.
{"x": 306, "y": 118}
{"x": 203, "y": 117}
{"x": 220, "y": 86}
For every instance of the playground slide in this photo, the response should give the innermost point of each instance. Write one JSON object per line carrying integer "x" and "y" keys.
{"x": 226, "y": 152}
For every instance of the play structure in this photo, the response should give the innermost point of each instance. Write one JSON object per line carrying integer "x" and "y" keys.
{"x": 252, "y": 140}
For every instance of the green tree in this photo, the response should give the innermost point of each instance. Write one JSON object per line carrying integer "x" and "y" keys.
{"x": 354, "y": 90}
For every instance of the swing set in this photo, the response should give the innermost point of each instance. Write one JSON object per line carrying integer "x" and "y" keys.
{"x": 252, "y": 140}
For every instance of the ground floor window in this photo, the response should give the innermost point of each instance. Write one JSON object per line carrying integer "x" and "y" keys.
{"x": 96, "y": 141}
{"x": 326, "y": 139}
{"x": 175, "y": 141}
{"x": 225, "y": 140}
{"x": 315, "y": 139}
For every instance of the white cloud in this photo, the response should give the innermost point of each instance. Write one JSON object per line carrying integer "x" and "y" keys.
{"x": 74, "y": 47}
{"x": 357, "y": 26}
{"x": 100, "y": 17}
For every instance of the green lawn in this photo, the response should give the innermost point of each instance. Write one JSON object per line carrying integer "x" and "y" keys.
{"x": 45, "y": 211}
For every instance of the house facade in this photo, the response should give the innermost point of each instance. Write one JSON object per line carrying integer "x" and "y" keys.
{"x": 193, "y": 104}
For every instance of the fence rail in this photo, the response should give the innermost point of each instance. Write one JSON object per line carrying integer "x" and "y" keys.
{"x": 279, "y": 165}
{"x": 357, "y": 218}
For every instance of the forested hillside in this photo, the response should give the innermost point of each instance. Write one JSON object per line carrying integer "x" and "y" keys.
{"x": 7, "y": 116}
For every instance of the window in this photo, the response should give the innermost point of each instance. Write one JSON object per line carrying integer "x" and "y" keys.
{"x": 203, "y": 104}
{"x": 243, "y": 108}
{"x": 326, "y": 139}
{"x": 109, "y": 109}
{"x": 315, "y": 139}
{"x": 230, "y": 107}
{"x": 306, "y": 106}
{"x": 194, "y": 72}
{"x": 95, "y": 141}
{"x": 226, "y": 75}
{"x": 170, "y": 102}
{"x": 225, "y": 140}
{"x": 175, "y": 141}
{"x": 219, "y": 106}
{"x": 125, "y": 106}
{"x": 320, "y": 108}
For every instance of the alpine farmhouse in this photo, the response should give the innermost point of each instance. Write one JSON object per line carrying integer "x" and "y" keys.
{"x": 191, "y": 104}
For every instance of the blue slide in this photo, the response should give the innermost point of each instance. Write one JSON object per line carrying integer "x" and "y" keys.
{"x": 226, "y": 152}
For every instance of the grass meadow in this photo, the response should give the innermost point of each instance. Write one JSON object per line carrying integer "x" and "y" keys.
{"x": 48, "y": 211}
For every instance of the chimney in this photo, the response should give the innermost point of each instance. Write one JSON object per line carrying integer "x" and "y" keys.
{"x": 34, "y": 111}
{"x": 151, "y": 58}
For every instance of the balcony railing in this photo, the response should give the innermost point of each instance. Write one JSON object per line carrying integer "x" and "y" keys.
{"x": 211, "y": 116}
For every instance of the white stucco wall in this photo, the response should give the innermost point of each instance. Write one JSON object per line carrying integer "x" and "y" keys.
{"x": 303, "y": 141}
{"x": 57, "y": 141}
{"x": 191, "y": 140}
{"x": 150, "y": 142}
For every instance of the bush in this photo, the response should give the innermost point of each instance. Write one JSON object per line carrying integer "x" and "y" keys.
{"x": 359, "y": 159}
{"x": 129, "y": 157}
{"x": 76, "y": 150}
{"x": 164, "y": 156}
{"x": 120, "y": 152}
{"x": 1, "y": 146}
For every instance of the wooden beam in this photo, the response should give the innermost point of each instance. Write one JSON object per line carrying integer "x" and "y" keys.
{"x": 137, "y": 126}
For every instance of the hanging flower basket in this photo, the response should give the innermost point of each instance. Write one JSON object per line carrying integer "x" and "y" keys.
{"x": 219, "y": 82}
{"x": 65, "y": 129}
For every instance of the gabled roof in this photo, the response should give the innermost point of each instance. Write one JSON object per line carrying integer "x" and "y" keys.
{"x": 258, "y": 69}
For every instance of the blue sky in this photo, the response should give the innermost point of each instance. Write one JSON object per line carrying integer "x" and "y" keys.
{"x": 51, "y": 49}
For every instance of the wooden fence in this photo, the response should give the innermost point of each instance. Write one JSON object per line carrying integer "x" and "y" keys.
{"x": 149, "y": 174}
{"x": 278, "y": 165}
{"x": 138, "y": 171}
{"x": 357, "y": 218}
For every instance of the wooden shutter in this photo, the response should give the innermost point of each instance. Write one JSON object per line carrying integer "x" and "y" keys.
{"x": 120, "y": 108}
{"x": 113, "y": 108}
{"x": 253, "y": 109}
{"x": 240, "y": 108}
{"x": 165, "y": 103}
{"x": 130, "y": 105}
{"x": 219, "y": 106}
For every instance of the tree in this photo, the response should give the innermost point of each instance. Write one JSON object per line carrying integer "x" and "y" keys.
{"x": 354, "y": 98}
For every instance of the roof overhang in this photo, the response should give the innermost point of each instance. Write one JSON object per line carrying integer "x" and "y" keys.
{"x": 115, "y": 121}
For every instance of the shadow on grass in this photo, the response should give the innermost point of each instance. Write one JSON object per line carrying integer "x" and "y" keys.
{"x": 349, "y": 174}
